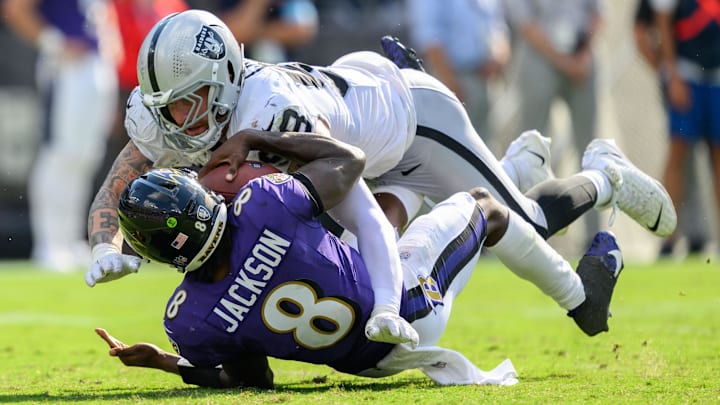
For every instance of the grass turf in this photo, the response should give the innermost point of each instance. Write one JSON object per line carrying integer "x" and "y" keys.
{"x": 663, "y": 346}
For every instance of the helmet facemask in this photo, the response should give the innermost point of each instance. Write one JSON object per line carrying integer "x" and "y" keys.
{"x": 175, "y": 134}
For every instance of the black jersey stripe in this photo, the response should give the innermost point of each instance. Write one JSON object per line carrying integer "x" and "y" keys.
{"x": 151, "y": 53}
{"x": 478, "y": 164}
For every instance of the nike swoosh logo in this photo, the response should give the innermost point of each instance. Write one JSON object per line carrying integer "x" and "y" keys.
{"x": 410, "y": 170}
{"x": 542, "y": 159}
{"x": 655, "y": 226}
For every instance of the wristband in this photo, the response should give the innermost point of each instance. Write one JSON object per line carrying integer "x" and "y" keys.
{"x": 102, "y": 250}
{"x": 384, "y": 308}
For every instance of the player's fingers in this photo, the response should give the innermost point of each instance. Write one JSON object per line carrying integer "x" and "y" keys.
{"x": 234, "y": 162}
{"x": 217, "y": 158}
{"x": 107, "y": 264}
{"x": 131, "y": 263}
{"x": 105, "y": 336}
{"x": 371, "y": 331}
{"x": 411, "y": 336}
{"x": 109, "y": 339}
{"x": 90, "y": 277}
{"x": 96, "y": 273}
{"x": 393, "y": 329}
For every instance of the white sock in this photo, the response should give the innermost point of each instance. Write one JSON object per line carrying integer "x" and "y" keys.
{"x": 530, "y": 257}
{"x": 602, "y": 185}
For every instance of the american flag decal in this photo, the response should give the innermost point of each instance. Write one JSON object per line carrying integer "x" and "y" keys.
{"x": 179, "y": 241}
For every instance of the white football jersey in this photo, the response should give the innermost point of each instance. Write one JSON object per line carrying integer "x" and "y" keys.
{"x": 419, "y": 142}
{"x": 362, "y": 97}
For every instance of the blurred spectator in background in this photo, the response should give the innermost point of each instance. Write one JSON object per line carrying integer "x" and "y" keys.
{"x": 270, "y": 30}
{"x": 77, "y": 80}
{"x": 554, "y": 59}
{"x": 352, "y": 25}
{"x": 465, "y": 44}
{"x": 647, "y": 38}
{"x": 19, "y": 136}
{"x": 690, "y": 63}
{"x": 134, "y": 19}
{"x": 692, "y": 224}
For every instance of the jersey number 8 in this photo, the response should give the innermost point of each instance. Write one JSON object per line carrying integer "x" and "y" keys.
{"x": 316, "y": 323}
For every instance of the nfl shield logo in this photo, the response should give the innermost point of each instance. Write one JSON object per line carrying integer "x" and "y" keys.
{"x": 431, "y": 290}
{"x": 203, "y": 213}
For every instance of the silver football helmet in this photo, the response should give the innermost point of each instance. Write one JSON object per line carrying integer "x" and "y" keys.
{"x": 183, "y": 53}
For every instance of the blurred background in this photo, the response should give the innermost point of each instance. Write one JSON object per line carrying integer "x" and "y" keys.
{"x": 626, "y": 98}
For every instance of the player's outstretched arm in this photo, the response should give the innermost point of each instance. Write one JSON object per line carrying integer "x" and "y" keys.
{"x": 108, "y": 263}
{"x": 361, "y": 215}
{"x": 252, "y": 371}
{"x": 140, "y": 354}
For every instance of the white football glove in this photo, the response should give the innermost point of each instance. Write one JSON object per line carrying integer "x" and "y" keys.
{"x": 110, "y": 264}
{"x": 387, "y": 326}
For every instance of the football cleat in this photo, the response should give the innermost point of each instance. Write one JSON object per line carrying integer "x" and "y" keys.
{"x": 529, "y": 158}
{"x": 598, "y": 270}
{"x": 638, "y": 195}
{"x": 402, "y": 56}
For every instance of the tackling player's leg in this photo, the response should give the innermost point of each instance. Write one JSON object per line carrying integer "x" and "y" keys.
{"x": 434, "y": 275}
{"x": 527, "y": 160}
{"x": 640, "y": 196}
{"x": 402, "y": 56}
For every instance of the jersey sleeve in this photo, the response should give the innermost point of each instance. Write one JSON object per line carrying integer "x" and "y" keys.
{"x": 208, "y": 353}
{"x": 141, "y": 127}
{"x": 269, "y": 102}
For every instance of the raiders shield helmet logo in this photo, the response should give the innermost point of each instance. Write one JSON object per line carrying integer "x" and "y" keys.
{"x": 209, "y": 44}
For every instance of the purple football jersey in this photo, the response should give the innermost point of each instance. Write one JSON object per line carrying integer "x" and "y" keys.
{"x": 69, "y": 17}
{"x": 295, "y": 291}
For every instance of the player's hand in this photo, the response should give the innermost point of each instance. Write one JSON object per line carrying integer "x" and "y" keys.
{"x": 233, "y": 152}
{"x": 137, "y": 355}
{"x": 678, "y": 92}
{"x": 388, "y": 327}
{"x": 109, "y": 264}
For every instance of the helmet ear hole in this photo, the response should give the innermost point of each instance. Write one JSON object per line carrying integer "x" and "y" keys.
{"x": 231, "y": 71}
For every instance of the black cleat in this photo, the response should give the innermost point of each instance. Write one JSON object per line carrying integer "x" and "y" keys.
{"x": 402, "y": 56}
{"x": 598, "y": 270}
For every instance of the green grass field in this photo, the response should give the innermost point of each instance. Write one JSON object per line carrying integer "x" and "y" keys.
{"x": 663, "y": 346}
